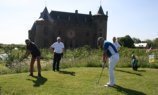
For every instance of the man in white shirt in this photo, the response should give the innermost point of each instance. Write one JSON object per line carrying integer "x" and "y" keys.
{"x": 57, "y": 49}
{"x": 111, "y": 55}
{"x": 116, "y": 44}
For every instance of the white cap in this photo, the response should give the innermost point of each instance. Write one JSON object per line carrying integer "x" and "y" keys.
{"x": 58, "y": 38}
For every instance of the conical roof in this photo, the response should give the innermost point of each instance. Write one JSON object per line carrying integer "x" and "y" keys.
{"x": 100, "y": 11}
{"x": 45, "y": 15}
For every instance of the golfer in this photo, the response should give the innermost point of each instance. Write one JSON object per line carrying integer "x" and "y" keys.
{"x": 35, "y": 52}
{"x": 57, "y": 49}
{"x": 110, "y": 53}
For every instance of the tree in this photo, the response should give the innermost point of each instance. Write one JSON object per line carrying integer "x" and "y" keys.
{"x": 136, "y": 40}
{"x": 126, "y": 41}
{"x": 155, "y": 43}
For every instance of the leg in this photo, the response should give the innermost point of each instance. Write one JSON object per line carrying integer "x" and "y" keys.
{"x": 38, "y": 66}
{"x": 54, "y": 62}
{"x": 32, "y": 66}
{"x": 58, "y": 62}
{"x": 112, "y": 62}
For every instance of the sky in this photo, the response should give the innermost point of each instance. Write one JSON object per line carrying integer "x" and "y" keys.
{"x": 137, "y": 18}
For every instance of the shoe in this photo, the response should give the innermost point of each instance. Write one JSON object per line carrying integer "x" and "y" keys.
{"x": 53, "y": 70}
{"x": 39, "y": 75}
{"x": 109, "y": 85}
{"x": 31, "y": 75}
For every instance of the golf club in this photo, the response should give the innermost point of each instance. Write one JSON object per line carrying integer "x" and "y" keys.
{"x": 103, "y": 66}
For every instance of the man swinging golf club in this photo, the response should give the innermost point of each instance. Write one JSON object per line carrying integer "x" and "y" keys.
{"x": 32, "y": 49}
{"x": 109, "y": 53}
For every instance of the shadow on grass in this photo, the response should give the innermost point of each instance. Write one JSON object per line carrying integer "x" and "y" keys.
{"x": 39, "y": 81}
{"x": 0, "y": 91}
{"x": 67, "y": 72}
{"x": 127, "y": 91}
{"x": 129, "y": 72}
{"x": 141, "y": 70}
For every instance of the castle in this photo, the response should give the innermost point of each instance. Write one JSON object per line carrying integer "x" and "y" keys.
{"x": 75, "y": 29}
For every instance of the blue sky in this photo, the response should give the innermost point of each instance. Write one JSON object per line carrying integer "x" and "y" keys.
{"x": 137, "y": 18}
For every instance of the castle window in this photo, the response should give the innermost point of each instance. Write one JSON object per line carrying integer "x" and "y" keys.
{"x": 69, "y": 18}
{"x": 58, "y": 17}
{"x": 45, "y": 31}
{"x": 100, "y": 34}
{"x": 100, "y": 29}
{"x": 45, "y": 42}
{"x": 85, "y": 20}
{"x": 59, "y": 33}
{"x": 87, "y": 34}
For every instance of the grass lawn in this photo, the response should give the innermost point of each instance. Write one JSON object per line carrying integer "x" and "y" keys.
{"x": 81, "y": 81}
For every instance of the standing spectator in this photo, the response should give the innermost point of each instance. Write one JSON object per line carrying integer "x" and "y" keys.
{"x": 116, "y": 44}
{"x": 110, "y": 53}
{"x": 134, "y": 62}
{"x": 35, "y": 52}
{"x": 57, "y": 49}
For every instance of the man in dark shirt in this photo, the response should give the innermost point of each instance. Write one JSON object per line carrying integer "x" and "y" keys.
{"x": 35, "y": 52}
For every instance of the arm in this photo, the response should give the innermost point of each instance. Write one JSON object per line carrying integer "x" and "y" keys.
{"x": 26, "y": 54}
{"x": 51, "y": 50}
{"x": 104, "y": 56}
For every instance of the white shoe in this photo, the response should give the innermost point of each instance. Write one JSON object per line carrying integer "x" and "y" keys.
{"x": 109, "y": 85}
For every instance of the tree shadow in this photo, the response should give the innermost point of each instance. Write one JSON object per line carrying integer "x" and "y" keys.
{"x": 129, "y": 72}
{"x": 39, "y": 81}
{"x": 67, "y": 72}
{"x": 128, "y": 91}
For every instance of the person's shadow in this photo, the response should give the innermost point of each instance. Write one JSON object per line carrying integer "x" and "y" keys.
{"x": 67, "y": 72}
{"x": 39, "y": 81}
{"x": 128, "y": 91}
{"x": 0, "y": 91}
{"x": 138, "y": 74}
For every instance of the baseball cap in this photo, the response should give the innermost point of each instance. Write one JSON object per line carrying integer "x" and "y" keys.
{"x": 58, "y": 38}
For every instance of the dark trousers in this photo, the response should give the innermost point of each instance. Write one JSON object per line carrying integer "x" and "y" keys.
{"x": 33, "y": 59}
{"x": 56, "y": 61}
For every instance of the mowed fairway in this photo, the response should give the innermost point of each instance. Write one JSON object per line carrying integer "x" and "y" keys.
{"x": 81, "y": 81}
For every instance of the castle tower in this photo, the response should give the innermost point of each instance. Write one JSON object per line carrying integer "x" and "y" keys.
{"x": 100, "y": 21}
{"x": 40, "y": 32}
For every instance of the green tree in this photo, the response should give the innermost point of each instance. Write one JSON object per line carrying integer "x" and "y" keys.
{"x": 136, "y": 40}
{"x": 126, "y": 41}
{"x": 155, "y": 43}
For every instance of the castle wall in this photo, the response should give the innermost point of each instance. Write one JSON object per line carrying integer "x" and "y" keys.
{"x": 74, "y": 32}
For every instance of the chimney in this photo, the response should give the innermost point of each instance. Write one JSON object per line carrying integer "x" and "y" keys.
{"x": 90, "y": 13}
{"x": 76, "y": 11}
{"x": 107, "y": 13}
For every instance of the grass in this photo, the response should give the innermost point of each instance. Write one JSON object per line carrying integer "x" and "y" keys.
{"x": 81, "y": 81}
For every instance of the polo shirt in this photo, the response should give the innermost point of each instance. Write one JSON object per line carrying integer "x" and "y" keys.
{"x": 110, "y": 48}
{"x": 58, "y": 47}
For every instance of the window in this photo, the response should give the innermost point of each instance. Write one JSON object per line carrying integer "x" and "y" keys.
{"x": 100, "y": 34}
{"x": 87, "y": 34}
{"x": 45, "y": 31}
